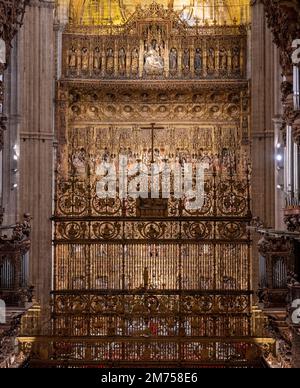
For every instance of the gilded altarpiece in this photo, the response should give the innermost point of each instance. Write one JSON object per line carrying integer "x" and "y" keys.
{"x": 140, "y": 281}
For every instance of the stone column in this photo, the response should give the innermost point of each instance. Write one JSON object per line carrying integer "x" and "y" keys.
{"x": 265, "y": 106}
{"x": 263, "y": 112}
{"x": 36, "y": 72}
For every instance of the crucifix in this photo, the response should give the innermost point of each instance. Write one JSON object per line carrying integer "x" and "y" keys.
{"x": 153, "y": 128}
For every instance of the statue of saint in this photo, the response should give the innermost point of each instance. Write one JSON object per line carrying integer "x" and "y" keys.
{"x": 78, "y": 58}
{"x": 79, "y": 162}
{"x": 110, "y": 61}
{"x": 186, "y": 59}
{"x": 236, "y": 59}
{"x": 154, "y": 63}
{"x": 173, "y": 59}
{"x": 72, "y": 58}
{"x": 223, "y": 59}
{"x": 135, "y": 61}
{"x": 85, "y": 59}
{"x": 211, "y": 60}
{"x": 198, "y": 60}
{"x": 97, "y": 59}
{"x": 122, "y": 61}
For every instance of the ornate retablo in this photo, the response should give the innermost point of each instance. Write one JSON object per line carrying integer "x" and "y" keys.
{"x": 156, "y": 43}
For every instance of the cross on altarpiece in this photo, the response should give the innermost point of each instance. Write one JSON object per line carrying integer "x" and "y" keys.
{"x": 153, "y": 128}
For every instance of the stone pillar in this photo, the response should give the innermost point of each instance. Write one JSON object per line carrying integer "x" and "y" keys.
{"x": 263, "y": 112}
{"x": 36, "y": 72}
{"x": 265, "y": 89}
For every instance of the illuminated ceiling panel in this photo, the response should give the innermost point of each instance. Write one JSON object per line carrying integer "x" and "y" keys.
{"x": 97, "y": 12}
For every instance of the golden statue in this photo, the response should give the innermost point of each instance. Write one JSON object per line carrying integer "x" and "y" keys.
{"x": 173, "y": 59}
{"x": 122, "y": 61}
{"x": 97, "y": 59}
{"x": 186, "y": 59}
{"x": 85, "y": 59}
{"x": 198, "y": 60}
{"x": 236, "y": 58}
{"x": 110, "y": 61}
{"x": 135, "y": 61}
{"x": 72, "y": 58}
{"x": 223, "y": 59}
{"x": 211, "y": 59}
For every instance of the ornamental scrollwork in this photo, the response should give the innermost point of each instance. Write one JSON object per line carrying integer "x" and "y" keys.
{"x": 107, "y": 230}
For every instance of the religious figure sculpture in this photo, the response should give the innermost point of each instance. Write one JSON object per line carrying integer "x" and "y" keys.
{"x": 223, "y": 59}
{"x": 154, "y": 63}
{"x": 79, "y": 162}
{"x": 110, "y": 61}
{"x": 211, "y": 60}
{"x": 78, "y": 58}
{"x": 122, "y": 61}
{"x": 161, "y": 49}
{"x": 173, "y": 59}
{"x": 186, "y": 59}
{"x": 135, "y": 61}
{"x": 97, "y": 59}
{"x": 72, "y": 58}
{"x": 236, "y": 59}
{"x": 198, "y": 60}
{"x": 85, "y": 59}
